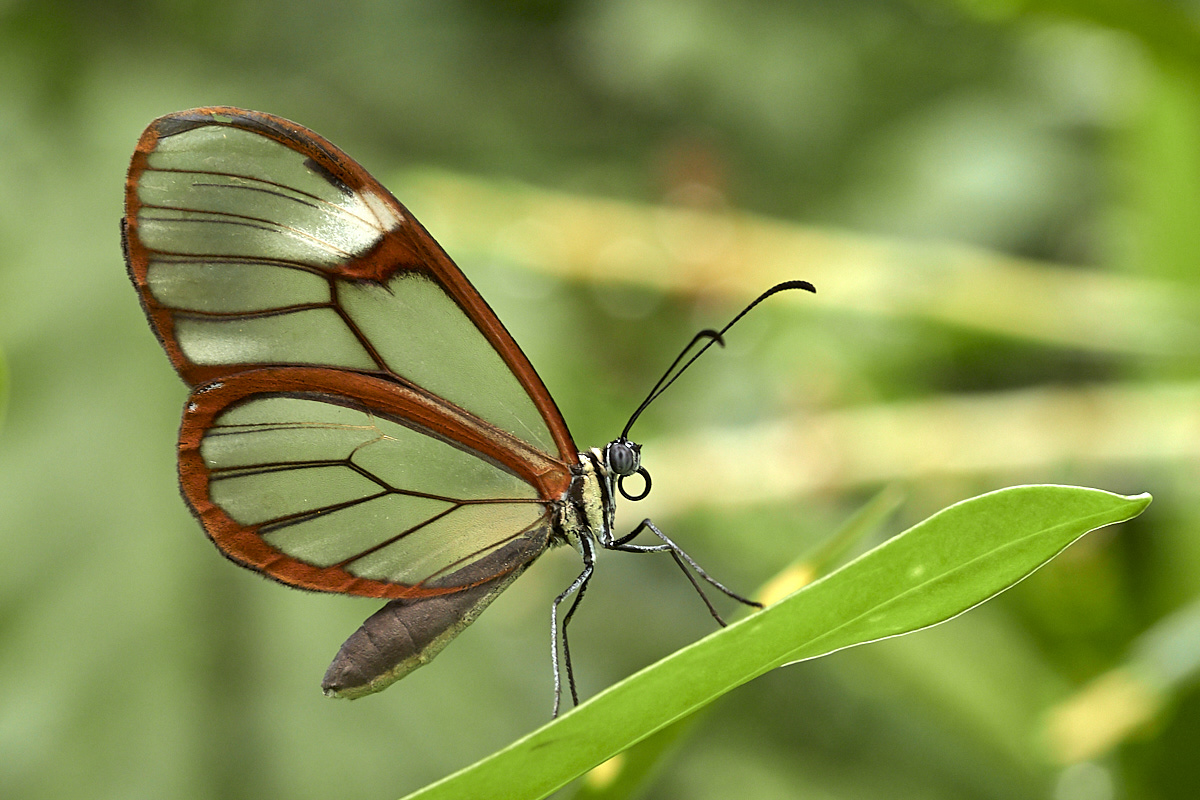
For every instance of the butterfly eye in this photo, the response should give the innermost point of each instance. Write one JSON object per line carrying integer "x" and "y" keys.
{"x": 623, "y": 457}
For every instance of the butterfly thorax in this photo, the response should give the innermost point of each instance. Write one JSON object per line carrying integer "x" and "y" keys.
{"x": 588, "y": 508}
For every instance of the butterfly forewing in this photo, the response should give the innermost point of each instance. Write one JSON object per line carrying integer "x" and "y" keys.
{"x": 362, "y": 422}
{"x": 255, "y": 242}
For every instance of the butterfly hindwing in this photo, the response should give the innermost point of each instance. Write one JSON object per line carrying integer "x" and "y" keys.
{"x": 350, "y": 484}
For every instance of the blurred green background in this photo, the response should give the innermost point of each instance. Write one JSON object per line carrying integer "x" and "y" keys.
{"x": 998, "y": 200}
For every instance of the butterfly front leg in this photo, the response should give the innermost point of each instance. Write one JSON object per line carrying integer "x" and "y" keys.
{"x": 624, "y": 544}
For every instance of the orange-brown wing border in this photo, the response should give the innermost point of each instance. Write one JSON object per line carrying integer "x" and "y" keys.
{"x": 243, "y": 544}
{"x": 406, "y": 248}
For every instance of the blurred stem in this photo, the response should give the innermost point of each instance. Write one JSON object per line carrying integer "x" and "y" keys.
{"x": 686, "y": 250}
{"x": 1028, "y": 433}
{"x": 1160, "y": 168}
{"x": 3, "y": 388}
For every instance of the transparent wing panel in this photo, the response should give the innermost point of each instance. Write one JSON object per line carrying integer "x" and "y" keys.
{"x": 423, "y": 335}
{"x": 466, "y": 534}
{"x": 333, "y": 537}
{"x": 281, "y": 491}
{"x": 233, "y": 286}
{"x": 219, "y": 172}
{"x": 310, "y": 336}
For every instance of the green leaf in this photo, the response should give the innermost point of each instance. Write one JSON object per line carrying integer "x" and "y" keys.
{"x": 951, "y": 562}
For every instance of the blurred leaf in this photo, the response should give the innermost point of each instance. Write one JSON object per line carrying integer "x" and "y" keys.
{"x": 1165, "y": 27}
{"x": 1163, "y": 664}
{"x": 804, "y": 570}
{"x": 938, "y": 569}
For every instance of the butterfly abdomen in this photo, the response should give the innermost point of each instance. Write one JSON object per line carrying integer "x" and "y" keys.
{"x": 408, "y": 633}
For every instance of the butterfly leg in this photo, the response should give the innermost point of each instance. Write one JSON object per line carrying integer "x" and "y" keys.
{"x": 684, "y": 561}
{"x": 588, "y": 550}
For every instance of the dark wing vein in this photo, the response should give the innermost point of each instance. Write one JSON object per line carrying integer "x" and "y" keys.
{"x": 319, "y": 201}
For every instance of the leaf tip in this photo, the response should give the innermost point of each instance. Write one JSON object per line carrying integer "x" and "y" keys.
{"x": 1142, "y": 500}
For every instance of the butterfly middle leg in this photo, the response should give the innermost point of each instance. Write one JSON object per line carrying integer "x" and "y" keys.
{"x": 578, "y": 586}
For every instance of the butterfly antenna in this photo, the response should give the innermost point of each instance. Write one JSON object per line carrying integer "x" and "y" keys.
{"x": 712, "y": 337}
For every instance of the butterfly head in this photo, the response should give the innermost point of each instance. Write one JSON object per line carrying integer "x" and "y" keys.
{"x": 624, "y": 458}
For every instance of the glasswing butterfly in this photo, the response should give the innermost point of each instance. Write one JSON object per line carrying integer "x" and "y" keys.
{"x": 360, "y": 420}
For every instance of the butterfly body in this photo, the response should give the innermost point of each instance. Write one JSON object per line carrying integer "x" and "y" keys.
{"x": 360, "y": 420}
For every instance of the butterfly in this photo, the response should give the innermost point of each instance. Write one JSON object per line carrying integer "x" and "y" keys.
{"x": 360, "y": 421}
